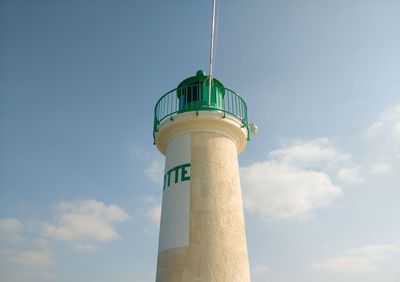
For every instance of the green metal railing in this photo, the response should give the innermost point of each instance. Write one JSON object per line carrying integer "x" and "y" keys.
{"x": 195, "y": 98}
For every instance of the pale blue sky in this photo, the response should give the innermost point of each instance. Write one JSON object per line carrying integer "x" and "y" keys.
{"x": 78, "y": 83}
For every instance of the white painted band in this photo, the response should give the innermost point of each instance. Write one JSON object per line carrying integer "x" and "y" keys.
{"x": 174, "y": 225}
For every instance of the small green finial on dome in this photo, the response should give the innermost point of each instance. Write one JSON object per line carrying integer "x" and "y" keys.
{"x": 200, "y": 73}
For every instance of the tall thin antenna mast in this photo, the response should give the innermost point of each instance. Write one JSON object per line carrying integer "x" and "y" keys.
{"x": 211, "y": 52}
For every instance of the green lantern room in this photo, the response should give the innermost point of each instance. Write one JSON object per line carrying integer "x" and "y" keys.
{"x": 194, "y": 94}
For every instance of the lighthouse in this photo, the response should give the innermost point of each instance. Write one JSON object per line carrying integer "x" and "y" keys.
{"x": 201, "y": 127}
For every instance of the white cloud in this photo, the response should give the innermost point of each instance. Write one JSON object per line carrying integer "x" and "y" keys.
{"x": 261, "y": 268}
{"x": 383, "y": 137}
{"x": 152, "y": 209}
{"x": 260, "y": 272}
{"x": 80, "y": 221}
{"x": 396, "y": 129}
{"x": 95, "y": 208}
{"x": 374, "y": 129}
{"x": 155, "y": 171}
{"x": 367, "y": 258}
{"x": 279, "y": 190}
{"x": 350, "y": 175}
{"x": 380, "y": 168}
{"x": 11, "y": 230}
{"x": 154, "y": 213}
{"x": 27, "y": 257}
{"x": 11, "y": 225}
{"x": 317, "y": 152}
{"x": 138, "y": 151}
{"x": 388, "y": 125}
{"x": 86, "y": 247}
{"x": 18, "y": 275}
{"x": 41, "y": 243}
{"x": 294, "y": 180}
{"x": 85, "y": 220}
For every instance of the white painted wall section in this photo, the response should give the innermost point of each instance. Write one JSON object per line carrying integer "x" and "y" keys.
{"x": 174, "y": 225}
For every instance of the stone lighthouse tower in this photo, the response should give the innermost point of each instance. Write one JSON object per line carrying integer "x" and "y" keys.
{"x": 201, "y": 131}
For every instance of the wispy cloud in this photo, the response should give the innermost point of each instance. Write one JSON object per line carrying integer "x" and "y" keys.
{"x": 155, "y": 171}
{"x": 383, "y": 142}
{"x": 387, "y": 126}
{"x": 380, "y": 168}
{"x": 154, "y": 213}
{"x": 367, "y": 258}
{"x": 86, "y": 247}
{"x": 27, "y": 257}
{"x": 22, "y": 275}
{"x": 350, "y": 175}
{"x": 316, "y": 153}
{"x": 385, "y": 132}
{"x": 11, "y": 225}
{"x": 23, "y": 252}
{"x": 11, "y": 230}
{"x": 85, "y": 220}
{"x": 151, "y": 210}
{"x": 260, "y": 272}
{"x": 261, "y": 268}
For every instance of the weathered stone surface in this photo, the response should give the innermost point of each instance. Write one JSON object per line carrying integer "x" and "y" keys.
{"x": 217, "y": 248}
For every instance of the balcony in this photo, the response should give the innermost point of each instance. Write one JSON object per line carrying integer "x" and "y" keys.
{"x": 192, "y": 95}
